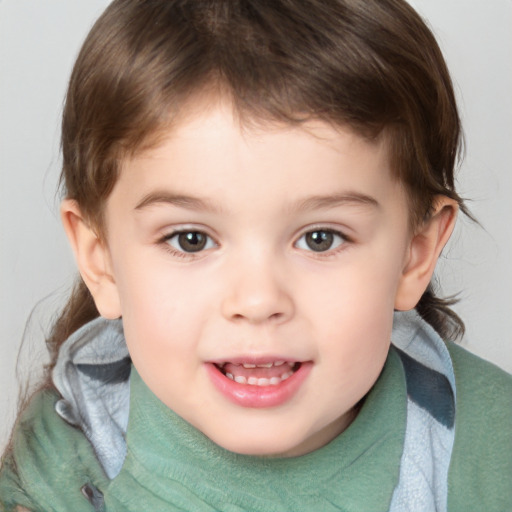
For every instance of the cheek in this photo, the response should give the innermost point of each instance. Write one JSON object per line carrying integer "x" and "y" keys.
{"x": 363, "y": 289}
{"x": 352, "y": 316}
{"x": 150, "y": 287}
{"x": 162, "y": 332}
{"x": 163, "y": 308}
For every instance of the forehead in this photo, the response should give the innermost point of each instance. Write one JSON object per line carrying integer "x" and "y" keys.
{"x": 211, "y": 151}
{"x": 212, "y": 110}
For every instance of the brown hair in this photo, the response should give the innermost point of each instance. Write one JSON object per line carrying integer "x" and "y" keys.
{"x": 370, "y": 64}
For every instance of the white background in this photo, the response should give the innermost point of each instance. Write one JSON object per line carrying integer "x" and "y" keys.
{"x": 38, "y": 44}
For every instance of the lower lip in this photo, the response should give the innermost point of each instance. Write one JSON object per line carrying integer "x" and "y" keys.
{"x": 259, "y": 397}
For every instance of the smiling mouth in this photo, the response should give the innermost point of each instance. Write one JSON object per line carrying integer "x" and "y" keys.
{"x": 264, "y": 374}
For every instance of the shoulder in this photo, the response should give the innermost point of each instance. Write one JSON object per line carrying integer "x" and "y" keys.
{"x": 467, "y": 363}
{"x": 481, "y": 467}
{"x": 49, "y": 461}
{"x": 481, "y": 386}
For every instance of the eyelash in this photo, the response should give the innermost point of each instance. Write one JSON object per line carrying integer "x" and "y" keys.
{"x": 210, "y": 242}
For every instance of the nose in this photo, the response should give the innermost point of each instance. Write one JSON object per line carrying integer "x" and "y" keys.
{"x": 258, "y": 292}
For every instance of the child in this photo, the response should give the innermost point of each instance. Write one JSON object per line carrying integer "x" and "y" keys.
{"x": 256, "y": 195}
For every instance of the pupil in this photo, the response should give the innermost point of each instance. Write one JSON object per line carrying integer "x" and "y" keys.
{"x": 192, "y": 242}
{"x": 319, "y": 240}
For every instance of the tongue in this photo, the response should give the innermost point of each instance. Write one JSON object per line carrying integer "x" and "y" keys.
{"x": 274, "y": 371}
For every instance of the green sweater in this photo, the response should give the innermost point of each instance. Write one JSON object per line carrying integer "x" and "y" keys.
{"x": 171, "y": 466}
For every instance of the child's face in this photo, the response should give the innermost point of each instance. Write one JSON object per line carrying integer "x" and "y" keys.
{"x": 278, "y": 246}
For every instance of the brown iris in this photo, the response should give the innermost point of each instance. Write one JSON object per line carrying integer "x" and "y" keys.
{"x": 319, "y": 241}
{"x": 192, "y": 241}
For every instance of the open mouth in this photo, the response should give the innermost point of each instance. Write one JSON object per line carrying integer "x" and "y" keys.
{"x": 271, "y": 373}
{"x": 259, "y": 383}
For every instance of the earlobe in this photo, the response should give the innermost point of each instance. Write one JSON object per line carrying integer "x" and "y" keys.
{"x": 424, "y": 250}
{"x": 93, "y": 259}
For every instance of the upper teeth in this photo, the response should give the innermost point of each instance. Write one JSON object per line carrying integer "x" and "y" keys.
{"x": 265, "y": 365}
{"x": 253, "y": 381}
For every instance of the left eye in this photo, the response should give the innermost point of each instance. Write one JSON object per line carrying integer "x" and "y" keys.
{"x": 190, "y": 241}
{"x": 320, "y": 240}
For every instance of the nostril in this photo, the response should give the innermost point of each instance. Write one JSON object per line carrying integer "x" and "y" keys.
{"x": 258, "y": 306}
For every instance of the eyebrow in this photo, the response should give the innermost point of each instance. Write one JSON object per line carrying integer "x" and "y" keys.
{"x": 333, "y": 200}
{"x": 179, "y": 200}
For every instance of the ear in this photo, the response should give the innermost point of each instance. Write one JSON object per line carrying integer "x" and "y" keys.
{"x": 423, "y": 252}
{"x": 93, "y": 259}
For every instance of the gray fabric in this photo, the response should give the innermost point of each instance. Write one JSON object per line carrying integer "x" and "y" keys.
{"x": 419, "y": 340}
{"x": 423, "y": 483}
{"x": 92, "y": 375}
{"x": 429, "y": 389}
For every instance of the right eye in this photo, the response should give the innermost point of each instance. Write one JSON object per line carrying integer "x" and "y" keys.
{"x": 190, "y": 241}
